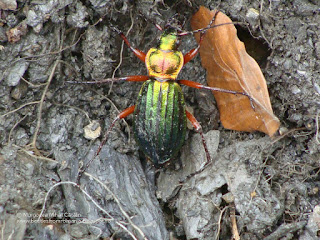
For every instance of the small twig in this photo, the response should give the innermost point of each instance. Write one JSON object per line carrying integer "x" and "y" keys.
{"x": 117, "y": 109}
{"x": 284, "y": 229}
{"x": 235, "y": 232}
{"x": 35, "y": 135}
{"x": 31, "y": 84}
{"x": 219, "y": 221}
{"x": 70, "y": 66}
{"x": 45, "y": 54}
{"x": 74, "y": 107}
{"x": 121, "y": 52}
{"x": 287, "y": 133}
{"x": 317, "y": 128}
{"x": 34, "y": 156}
{"x": 260, "y": 27}
{"x": 259, "y": 177}
{"x": 17, "y": 109}
{"x": 118, "y": 203}
{"x": 90, "y": 198}
{"x": 50, "y": 53}
{"x": 15, "y": 125}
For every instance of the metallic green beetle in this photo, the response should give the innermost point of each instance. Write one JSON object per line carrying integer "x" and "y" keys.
{"x": 160, "y": 112}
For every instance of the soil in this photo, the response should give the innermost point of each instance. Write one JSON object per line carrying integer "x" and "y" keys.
{"x": 257, "y": 187}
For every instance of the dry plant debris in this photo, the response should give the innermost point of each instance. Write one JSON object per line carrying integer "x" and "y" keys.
{"x": 14, "y": 34}
{"x": 230, "y": 67}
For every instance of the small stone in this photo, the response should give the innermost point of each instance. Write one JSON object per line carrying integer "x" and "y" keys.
{"x": 228, "y": 197}
{"x": 8, "y": 5}
{"x": 19, "y": 91}
{"x": 92, "y": 130}
{"x": 295, "y": 89}
{"x": 16, "y": 72}
{"x": 253, "y": 17}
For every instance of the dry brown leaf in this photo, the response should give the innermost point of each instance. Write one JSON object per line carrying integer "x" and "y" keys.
{"x": 229, "y": 66}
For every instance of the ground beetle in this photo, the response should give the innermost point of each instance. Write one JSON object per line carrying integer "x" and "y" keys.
{"x": 160, "y": 115}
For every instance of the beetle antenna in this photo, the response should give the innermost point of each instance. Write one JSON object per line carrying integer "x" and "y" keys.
{"x": 210, "y": 26}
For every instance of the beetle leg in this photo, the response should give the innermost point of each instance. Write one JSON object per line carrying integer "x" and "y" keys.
{"x": 198, "y": 128}
{"x": 200, "y": 86}
{"x": 135, "y": 78}
{"x": 121, "y": 115}
{"x": 141, "y": 55}
{"x": 193, "y": 52}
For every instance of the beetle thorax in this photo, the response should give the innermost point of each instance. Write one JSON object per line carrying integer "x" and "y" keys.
{"x": 165, "y": 62}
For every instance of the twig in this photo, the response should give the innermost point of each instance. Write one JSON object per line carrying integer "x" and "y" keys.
{"x": 287, "y": 133}
{"x": 260, "y": 26}
{"x": 34, "y": 156}
{"x": 74, "y": 107}
{"x": 17, "y": 109}
{"x": 118, "y": 203}
{"x": 31, "y": 84}
{"x": 219, "y": 221}
{"x": 117, "y": 109}
{"x": 259, "y": 178}
{"x": 235, "y": 232}
{"x": 15, "y": 125}
{"x": 284, "y": 229}
{"x": 90, "y": 198}
{"x": 317, "y": 128}
{"x": 121, "y": 52}
{"x": 35, "y": 135}
{"x": 50, "y": 53}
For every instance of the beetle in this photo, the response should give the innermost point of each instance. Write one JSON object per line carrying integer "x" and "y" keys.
{"x": 160, "y": 115}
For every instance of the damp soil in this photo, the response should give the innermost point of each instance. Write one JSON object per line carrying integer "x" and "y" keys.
{"x": 257, "y": 187}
